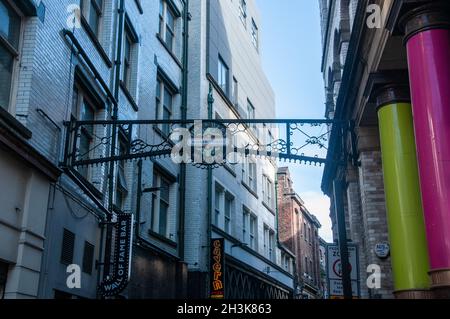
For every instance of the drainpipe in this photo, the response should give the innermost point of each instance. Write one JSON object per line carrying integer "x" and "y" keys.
{"x": 209, "y": 183}
{"x": 182, "y": 204}
{"x": 114, "y": 116}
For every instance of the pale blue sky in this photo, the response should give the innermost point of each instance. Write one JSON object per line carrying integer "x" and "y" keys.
{"x": 291, "y": 52}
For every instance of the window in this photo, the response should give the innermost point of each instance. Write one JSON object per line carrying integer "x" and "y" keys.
{"x": 306, "y": 265}
{"x": 10, "y": 23}
{"x": 268, "y": 192}
{"x": 286, "y": 264}
{"x": 269, "y": 243}
{"x": 255, "y": 34}
{"x": 229, "y": 201}
{"x": 249, "y": 174}
{"x": 253, "y": 228}
{"x": 84, "y": 108}
{"x": 164, "y": 104}
{"x": 251, "y": 115}
{"x": 223, "y": 203}
{"x": 88, "y": 257}
{"x": 243, "y": 12}
{"x": 252, "y": 175}
{"x": 266, "y": 240}
{"x": 129, "y": 55}
{"x": 245, "y": 222}
{"x": 235, "y": 92}
{"x": 223, "y": 75}
{"x": 250, "y": 111}
{"x": 122, "y": 188}
{"x": 167, "y": 18}
{"x": 217, "y": 205}
{"x": 67, "y": 247}
{"x": 272, "y": 245}
{"x": 160, "y": 204}
{"x": 304, "y": 231}
{"x": 3, "y": 276}
{"x": 92, "y": 11}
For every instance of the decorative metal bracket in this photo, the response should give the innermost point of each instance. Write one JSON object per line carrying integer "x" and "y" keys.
{"x": 88, "y": 143}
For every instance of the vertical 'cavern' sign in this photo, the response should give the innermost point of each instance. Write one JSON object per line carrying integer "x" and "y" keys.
{"x": 122, "y": 257}
{"x": 217, "y": 268}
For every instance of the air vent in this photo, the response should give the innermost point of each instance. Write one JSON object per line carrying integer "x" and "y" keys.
{"x": 67, "y": 248}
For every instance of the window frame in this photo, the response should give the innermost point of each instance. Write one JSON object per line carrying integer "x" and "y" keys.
{"x": 255, "y": 35}
{"x": 223, "y": 74}
{"x": 228, "y": 213}
{"x": 15, "y": 53}
{"x": 243, "y": 12}
{"x": 85, "y": 100}
{"x": 160, "y": 106}
{"x": 129, "y": 63}
{"x": 157, "y": 199}
{"x": 253, "y": 232}
{"x": 86, "y": 13}
{"x": 164, "y": 27}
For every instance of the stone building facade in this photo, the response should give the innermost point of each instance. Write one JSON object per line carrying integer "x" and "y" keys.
{"x": 298, "y": 231}
{"x": 235, "y": 202}
{"x": 127, "y": 60}
{"x": 371, "y": 81}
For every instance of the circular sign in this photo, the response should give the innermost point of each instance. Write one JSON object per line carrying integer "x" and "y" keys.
{"x": 382, "y": 250}
{"x": 337, "y": 268}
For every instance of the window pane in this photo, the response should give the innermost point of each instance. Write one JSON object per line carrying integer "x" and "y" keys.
{"x": 6, "y": 68}
{"x": 170, "y": 19}
{"x": 94, "y": 19}
{"x": 9, "y": 24}
{"x": 87, "y": 113}
{"x": 163, "y": 208}
{"x": 169, "y": 40}
{"x": 161, "y": 8}
{"x": 168, "y": 99}
{"x": 222, "y": 75}
{"x": 165, "y": 190}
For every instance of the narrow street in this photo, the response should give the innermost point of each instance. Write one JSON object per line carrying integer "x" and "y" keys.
{"x": 247, "y": 150}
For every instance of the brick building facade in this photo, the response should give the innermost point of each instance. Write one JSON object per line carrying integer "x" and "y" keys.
{"x": 382, "y": 72}
{"x": 298, "y": 231}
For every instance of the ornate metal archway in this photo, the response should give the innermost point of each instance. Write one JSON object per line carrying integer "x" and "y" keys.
{"x": 204, "y": 143}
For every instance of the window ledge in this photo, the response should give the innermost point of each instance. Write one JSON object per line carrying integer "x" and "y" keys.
{"x": 268, "y": 208}
{"x": 163, "y": 135}
{"x": 98, "y": 194}
{"x": 251, "y": 191}
{"x": 130, "y": 98}
{"x": 139, "y": 6}
{"x": 162, "y": 238}
{"x": 172, "y": 54}
{"x": 229, "y": 169}
{"x": 96, "y": 42}
{"x": 13, "y": 123}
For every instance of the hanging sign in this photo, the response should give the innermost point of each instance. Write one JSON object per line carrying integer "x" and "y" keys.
{"x": 122, "y": 257}
{"x": 217, "y": 268}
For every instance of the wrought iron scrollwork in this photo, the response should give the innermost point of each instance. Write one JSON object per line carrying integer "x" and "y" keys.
{"x": 305, "y": 141}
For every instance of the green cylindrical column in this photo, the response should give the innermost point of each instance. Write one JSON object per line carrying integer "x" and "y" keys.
{"x": 409, "y": 254}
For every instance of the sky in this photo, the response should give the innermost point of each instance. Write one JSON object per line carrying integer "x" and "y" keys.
{"x": 291, "y": 52}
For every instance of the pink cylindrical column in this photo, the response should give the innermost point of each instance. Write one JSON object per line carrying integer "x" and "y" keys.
{"x": 428, "y": 47}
